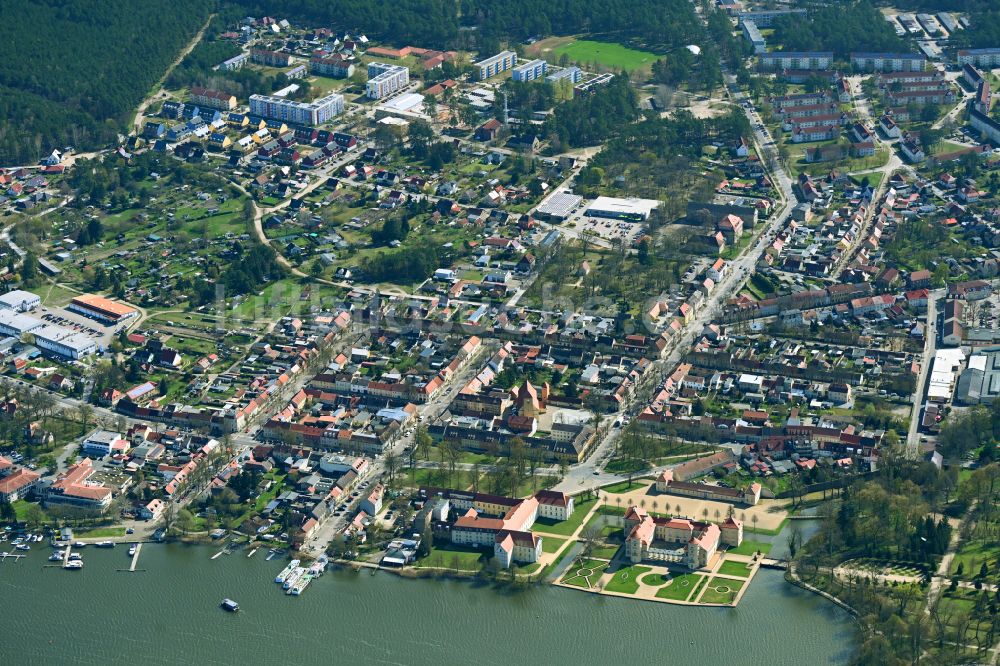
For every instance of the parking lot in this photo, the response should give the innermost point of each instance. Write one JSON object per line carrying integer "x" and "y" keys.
{"x": 76, "y": 322}
{"x": 610, "y": 230}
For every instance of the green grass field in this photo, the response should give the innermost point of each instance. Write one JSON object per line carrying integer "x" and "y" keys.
{"x": 565, "y": 527}
{"x": 626, "y": 581}
{"x": 734, "y": 569}
{"x": 614, "y": 56}
{"x": 720, "y": 591}
{"x": 451, "y": 557}
{"x": 750, "y": 547}
{"x": 680, "y": 588}
{"x": 551, "y": 544}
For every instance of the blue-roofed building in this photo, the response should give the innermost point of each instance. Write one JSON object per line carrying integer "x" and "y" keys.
{"x": 172, "y": 109}
{"x": 153, "y": 130}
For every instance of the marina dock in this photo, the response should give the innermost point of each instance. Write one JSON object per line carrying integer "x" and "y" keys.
{"x": 135, "y": 558}
{"x": 5, "y": 555}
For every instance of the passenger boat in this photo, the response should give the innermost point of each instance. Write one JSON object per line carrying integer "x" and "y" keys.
{"x": 105, "y": 544}
{"x": 301, "y": 584}
{"x": 23, "y": 546}
{"x": 73, "y": 565}
{"x": 283, "y": 576}
{"x": 229, "y": 605}
{"x": 293, "y": 577}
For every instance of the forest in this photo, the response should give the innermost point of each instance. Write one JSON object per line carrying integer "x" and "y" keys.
{"x": 984, "y": 31}
{"x": 842, "y": 27}
{"x": 74, "y": 69}
{"x": 662, "y": 24}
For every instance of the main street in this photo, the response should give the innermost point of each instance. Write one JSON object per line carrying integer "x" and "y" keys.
{"x": 333, "y": 525}
{"x": 930, "y": 347}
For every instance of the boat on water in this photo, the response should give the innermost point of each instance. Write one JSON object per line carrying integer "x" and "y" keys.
{"x": 229, "y": 605}
{"x": 23, "y": 546}
{"x": 317, "y": 568}
{"x": 55, "y": 557}
{"x": 73, "y": 557}
{"x": 73, "y": 565}
{"x": 301, "y": 584}
{"x": 283, "y": 576}
{"x": 293, "y": 577}
{"x": 131, "y": 550}
{"x": 39, "y": 537}
{"x": 79, "y": 544}
{"x": 105, "y": 544}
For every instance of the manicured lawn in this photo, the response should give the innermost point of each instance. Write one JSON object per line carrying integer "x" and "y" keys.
{"x": 566, "y": 527}
{"x": 608, "y": 54}
{"x": 750, "y": 547}
{"x": 99, "y": 532}
{"x": 655, "y": 579}
{"x": 713, "y": 595}
{"x": 551, "y": 544}
{"x": 734, "y": 569}
{"x": 451, "y": 557}
{"x": 621, "y": 487}
{"x": 585, "y": 574}
{"x": 698, "y": 587}
{"x": 626, "y": 580}
{"x": 607, "y": 552}
{"x": 680, "y": 588}
{"x": 597, "y": 522}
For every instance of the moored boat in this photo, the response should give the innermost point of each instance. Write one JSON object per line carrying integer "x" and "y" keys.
{"x": 283, "y": 576}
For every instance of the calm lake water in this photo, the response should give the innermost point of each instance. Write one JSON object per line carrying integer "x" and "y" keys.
{"x": 169, "y": 615}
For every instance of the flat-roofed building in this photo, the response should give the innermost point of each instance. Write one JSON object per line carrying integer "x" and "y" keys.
{"x": 531, "y": 70}
{"x": 888, "y": 62}
{"x": 20, "y": 300}
{"x": 752, "y": 33}
{"x": 102, "y": 309}
{"x": 385, "y": 79}
{"x": 765, "y": 18}
{"x": 64, "y": 342}
{"x": 316, "y": 112}
{"x": 559, "y": 206}
{"x": 631, "y": 210}
{"x": 15, "y": 324}
{"x": 493, "y": 65}
{"x": 797, "y": 60}
{"x": 571, "y": 74}
{"x": 980, "y": 57}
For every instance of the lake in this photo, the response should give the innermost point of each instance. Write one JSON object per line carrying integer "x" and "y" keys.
{"x": 169, "y": 614}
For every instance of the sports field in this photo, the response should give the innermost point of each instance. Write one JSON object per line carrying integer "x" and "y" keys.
{"x": 606, "y": 54}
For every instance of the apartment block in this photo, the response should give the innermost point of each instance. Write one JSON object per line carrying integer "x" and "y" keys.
{"x": 529, "y": 71}
{"x": 385, "y": 79}
{"x": 300, "y": 113}
{"x": 493, "y": 65}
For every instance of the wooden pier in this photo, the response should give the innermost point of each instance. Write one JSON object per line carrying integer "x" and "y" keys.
{"x": 13, "y": 556}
